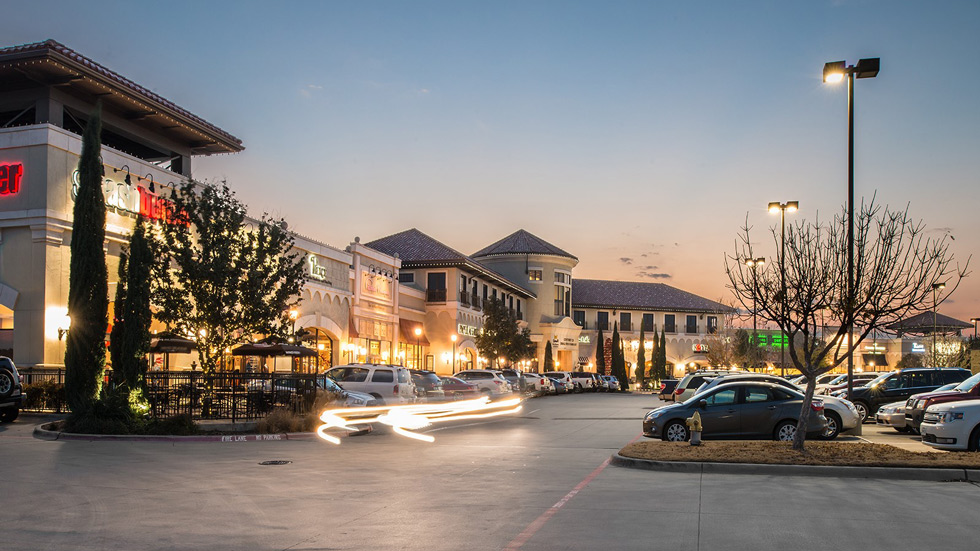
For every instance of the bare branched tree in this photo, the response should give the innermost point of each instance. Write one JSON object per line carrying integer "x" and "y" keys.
{"x": 895, "y": 267}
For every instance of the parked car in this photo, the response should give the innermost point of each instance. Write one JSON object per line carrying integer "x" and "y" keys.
{"x": 534, "y": 382}
{"x": 667, "y": 387}
{"x": 612, "y": 382}
{"x": 952, "y": 426}
{"x": 745, "y": 409}
{"x": 841, "y": 414}
{"x": 458, "y": 389}
{"x": 491, "y": 382}
{"x": 860, "y": 379}
{"x": 391, "y": 384}
{"x": 603, "y": 384}
{"x": 892, "y": 415}
{"x": 562, "y": 376}
{"x": 428, "y": 385}
{"x": 916, "y": 406}
{"x": 515, "y": 378}
{"x": 561, "y": 387}
{"x": 690, "y": 383}
{"x": 583, "y": 381}
{"x": 11, "y": 390}
{"x": 899, "y": 385}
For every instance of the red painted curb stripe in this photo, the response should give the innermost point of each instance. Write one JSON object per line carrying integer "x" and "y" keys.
{"x": 533, "y": 528}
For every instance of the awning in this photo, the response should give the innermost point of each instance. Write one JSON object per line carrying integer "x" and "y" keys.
{"x": 260, "y": 349}
{"x": 406, "y": 332}
{"x": 878, "y": 360}
{"x": 351, "y": 330}
{"x": 169, "y": 343}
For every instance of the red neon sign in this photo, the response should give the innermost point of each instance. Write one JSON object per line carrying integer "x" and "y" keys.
{"x": 10, "y": 175}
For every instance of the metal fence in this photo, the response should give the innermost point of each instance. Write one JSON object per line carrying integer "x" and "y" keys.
{"x": 234, "y": 396}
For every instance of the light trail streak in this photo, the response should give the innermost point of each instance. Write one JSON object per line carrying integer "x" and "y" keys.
{"x": 404, "y": 419}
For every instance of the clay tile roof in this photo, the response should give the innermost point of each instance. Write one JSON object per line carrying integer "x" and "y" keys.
{"x": 638, "y": 295}
{"x": 522, "y": 242}
{"x": 923, "y": 323}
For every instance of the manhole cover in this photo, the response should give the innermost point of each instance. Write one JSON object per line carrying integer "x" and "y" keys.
{"x": 276, "y": 462}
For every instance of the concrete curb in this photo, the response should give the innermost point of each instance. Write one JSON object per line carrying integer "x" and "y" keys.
{"x": 893, "y": 473}
{"x": 42, "y": 433}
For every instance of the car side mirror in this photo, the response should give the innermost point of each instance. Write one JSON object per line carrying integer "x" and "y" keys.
{"x": 702, "y": 404}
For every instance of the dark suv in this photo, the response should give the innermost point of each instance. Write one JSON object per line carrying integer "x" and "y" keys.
{"x": 427, "y": 384}
{"x": 898, "y": 386}
{"x": 11, "y": 390}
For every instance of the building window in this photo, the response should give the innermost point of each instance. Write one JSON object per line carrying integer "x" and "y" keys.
{"x": 578, "y": 316}
{"x": 563, "y": 300}
{"x": 485, "y": 291}
{"x": 692, "y": 324}
{"x": 669, "y": 323}
{"x": 602, "y": 320}
{"x": 712, "y": 325}
{"x": 648, "y": 322}
{"x": 435, "y": 289}
{"x": 406, "y": 277}
{"x": 625, "y": 321}
{"x": 534, "y": 275}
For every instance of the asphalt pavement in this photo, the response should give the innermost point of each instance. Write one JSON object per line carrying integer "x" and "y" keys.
{"x": 535, "y": 481}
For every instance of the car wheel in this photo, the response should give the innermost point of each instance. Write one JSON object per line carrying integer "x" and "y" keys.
{"x": 905, "y": 429}
{"x": 457, "y": 395}
{"x": 785, "y": 431}
{"x": 974, "y": 444}
{"x": 6, "y": 383}
{"x": 675, "y": 431}
{"x": 833, "y": 426}
{"x": 381, "y": 401}
{"x": 8, "y": 415}
{"x": 486, "y": 392}
{"x": 862, "y": 410}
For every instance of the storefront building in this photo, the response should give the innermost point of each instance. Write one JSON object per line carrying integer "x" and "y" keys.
{"x": 686, "y": 319}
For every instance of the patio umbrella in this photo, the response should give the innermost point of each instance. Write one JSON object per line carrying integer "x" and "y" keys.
{"x": 266, "y": 350}
{"x": 168, "y": 343}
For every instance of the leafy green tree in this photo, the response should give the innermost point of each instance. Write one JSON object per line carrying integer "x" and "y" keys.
{"x": 600, "y": 354}
{"x": 226, "y": 277}
{"x": 502, "y": 336}
{"x": 88, "y": 284}
{"x": 549, "y": 361}
{"x": 136, "y": 319}
{"x": 641, "y": 361}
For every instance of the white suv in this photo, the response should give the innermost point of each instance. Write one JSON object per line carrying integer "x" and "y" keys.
{"x": 392, "y": 384}
{"x": 952, "y": 426}
{"x": 538, "y": 383}
{"x": 491, "y": 383}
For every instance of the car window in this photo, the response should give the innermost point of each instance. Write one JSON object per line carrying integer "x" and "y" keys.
{"x": 780, "y": 395}
{"x": 967, "y": 385}
{"x": 892, "y": 383}
{"x": 402, "y": 376}
{"x": 918, "y": 378}
{"x": 757, "y": 394}
{"x": 695, "y": 382}
{"x": 383, "y": 376}
{"x": 953, "y": 376}
{"x": 724, "y": 397}
{"x": 327, "y": 384}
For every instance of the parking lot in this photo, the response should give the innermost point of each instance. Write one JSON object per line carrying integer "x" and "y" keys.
{"x": 535, "y": 481}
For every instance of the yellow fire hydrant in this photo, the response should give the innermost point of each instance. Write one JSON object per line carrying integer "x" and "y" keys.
{"x": 694, "y": 425}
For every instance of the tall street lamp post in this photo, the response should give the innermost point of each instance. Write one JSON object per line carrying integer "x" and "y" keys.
{"x": 754, "y": 263}
{"x": 936, "y": 287}
{"x": 835, "y": 71}
{"x": 453, "y": 338}
{"x": 418, "y": 347}
{"x": 782, "y": 209}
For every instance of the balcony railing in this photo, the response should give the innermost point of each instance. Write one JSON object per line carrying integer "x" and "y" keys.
{"x": 464, "y": 299}
{"x": 477, "y": 302}
{"x": 670, "y": 328}
{"x": 626, "y": 326}
{"x": 518, "y": 314}
{"x": 435, "y": 295}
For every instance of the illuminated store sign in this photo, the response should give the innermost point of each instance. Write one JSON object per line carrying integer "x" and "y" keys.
{"x": 699, "y": 348}
{"x": 10, "y": 175}
{"x": 467, "y": 330}
{"x": 375, "y": 284}
{"x": 124, "y": 199}
{"x": 584, "y": 339}
{"x": 317, "y": 271}
{"x": 918, "y": 348}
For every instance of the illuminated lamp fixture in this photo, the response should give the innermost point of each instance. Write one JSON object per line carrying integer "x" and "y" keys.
{"x": 150, "y": 178}
{"x": 129, "y": 181}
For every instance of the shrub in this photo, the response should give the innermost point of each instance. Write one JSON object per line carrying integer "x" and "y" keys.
{"x": 44, "y": 395}
{"x": 180, "y": 425}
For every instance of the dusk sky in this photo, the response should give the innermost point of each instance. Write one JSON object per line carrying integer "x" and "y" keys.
{"x": 635, "y": 135}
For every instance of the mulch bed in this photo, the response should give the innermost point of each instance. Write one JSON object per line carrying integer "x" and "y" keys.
{"x": 781, "y": 453}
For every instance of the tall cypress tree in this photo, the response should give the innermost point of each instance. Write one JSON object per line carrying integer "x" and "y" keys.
{"x": 88, "y": 284}
{"x": 641, "y": 361}
{"x": 115, "y": 334}
{"x": 662, "y": 359}
{"x": 136, "y": 314}
{"x": 618, "y": 361}
{"x": 549, "y": 360}
{"x": 600, "y": 354}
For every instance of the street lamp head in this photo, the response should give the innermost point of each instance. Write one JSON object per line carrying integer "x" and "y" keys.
{"x": 774, "y": 207}
{"x": 418, "y": 331}
{"x": 834, "y": 71}
{"x": 938, "y": 286}
{"x": 867, "y": 68}
{"x": 293, "y": 314}
{"x": 453, "y": 338}
{"x": 792, "y": 206}
{"x": 974, "y": 320}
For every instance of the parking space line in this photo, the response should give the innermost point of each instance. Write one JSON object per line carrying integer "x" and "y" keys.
{"x": 533, "y": 528}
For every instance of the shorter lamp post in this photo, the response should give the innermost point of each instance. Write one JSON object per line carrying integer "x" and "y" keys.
{"x": 974, "y": 320}
{"x": 453, "y": 338}
{"x": 418, "y": 347}
{"x": 782, "y": 209}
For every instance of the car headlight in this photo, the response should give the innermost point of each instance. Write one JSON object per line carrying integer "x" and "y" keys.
{"x": 948, "y": 416}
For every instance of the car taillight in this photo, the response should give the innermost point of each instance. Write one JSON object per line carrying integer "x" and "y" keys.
{"x": 499, "y": 382}
{"x": 817, "y": 405}
{"x": 662, "y": 386}
{"x": 679, "y": 391}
